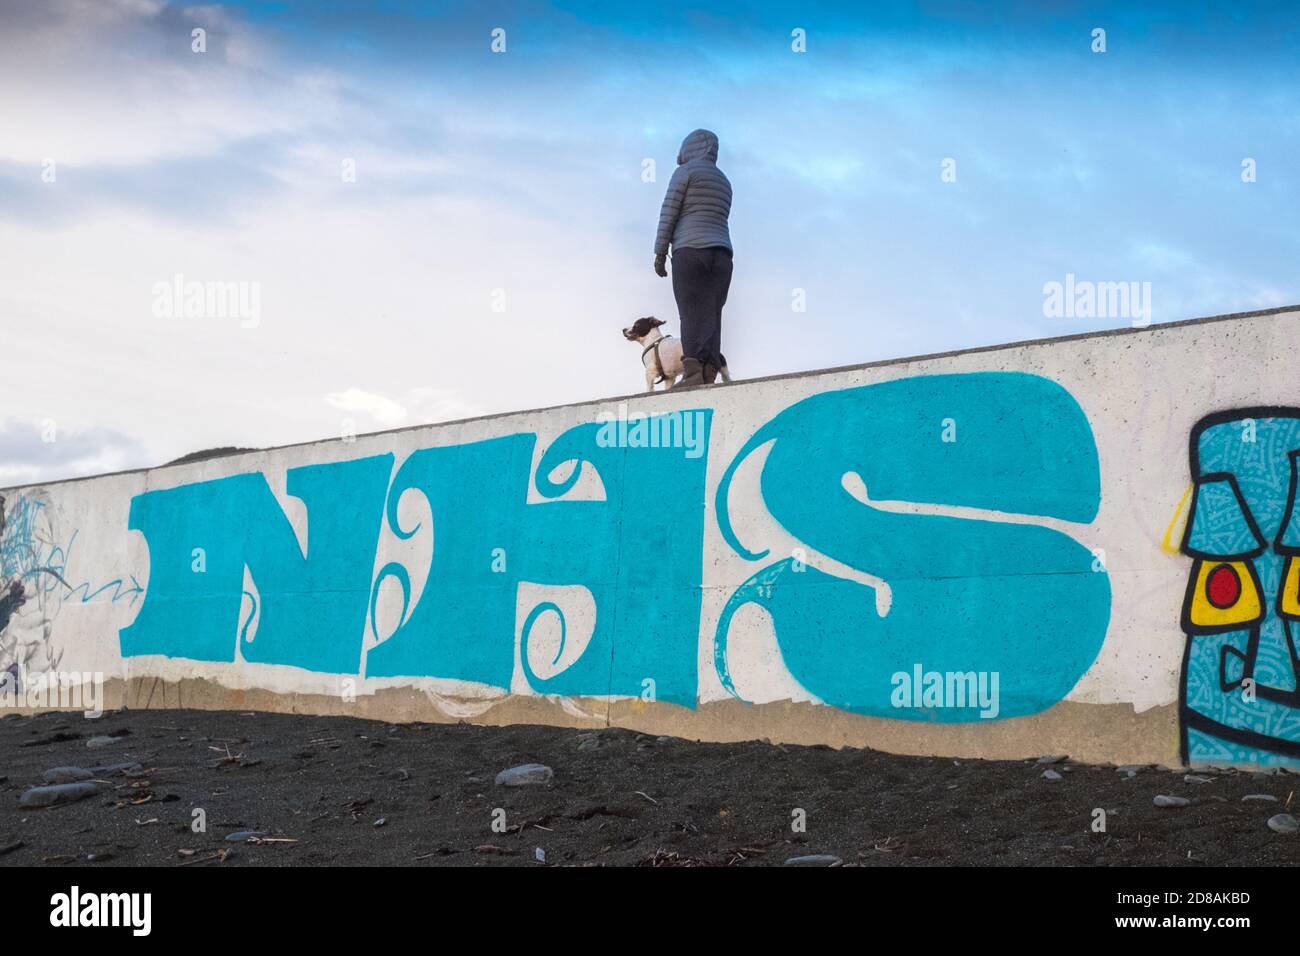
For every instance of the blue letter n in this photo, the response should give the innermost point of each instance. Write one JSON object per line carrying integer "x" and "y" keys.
{"x": 313, "y": 600}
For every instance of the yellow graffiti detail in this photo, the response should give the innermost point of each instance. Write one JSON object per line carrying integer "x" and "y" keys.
{"x": 1245, "y": 610}
{"x": 1166, "y": 545}
{"x": 1289, "y": 601}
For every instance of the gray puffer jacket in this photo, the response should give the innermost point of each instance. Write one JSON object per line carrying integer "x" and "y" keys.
{"x": 695, "y": 210}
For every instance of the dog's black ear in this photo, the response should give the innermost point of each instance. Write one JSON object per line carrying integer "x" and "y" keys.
{"x": 641, "y": 327}
{"x": 644, "y": 325}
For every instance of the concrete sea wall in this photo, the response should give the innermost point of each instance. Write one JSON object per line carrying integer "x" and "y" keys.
{"x": 1083, "y": 545}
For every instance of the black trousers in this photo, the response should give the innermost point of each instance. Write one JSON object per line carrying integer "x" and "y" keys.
{"x": 701, "y": 279}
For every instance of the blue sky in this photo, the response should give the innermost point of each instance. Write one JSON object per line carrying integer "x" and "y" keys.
{"x": 522, "y": 171}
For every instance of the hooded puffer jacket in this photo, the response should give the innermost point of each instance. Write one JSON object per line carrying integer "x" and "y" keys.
{"x": 695, "y": 210}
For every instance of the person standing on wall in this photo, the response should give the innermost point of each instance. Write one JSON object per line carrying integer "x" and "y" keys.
{"x": 693, "y": 221}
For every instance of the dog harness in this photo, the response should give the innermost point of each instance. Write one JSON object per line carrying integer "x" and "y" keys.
{"x": 659, "y": 365}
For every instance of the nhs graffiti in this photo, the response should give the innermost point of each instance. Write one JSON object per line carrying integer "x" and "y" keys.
{"x": 863, "y": 476}
{"x": 488, "y": 540}
{"x": 1240, "y": 700}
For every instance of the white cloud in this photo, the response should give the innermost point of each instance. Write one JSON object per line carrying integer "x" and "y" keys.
{"x": 417, "y": 406}
{"x": 92, "y": 82}
{"x": 381, "y": 408}
{"x": 39, "y": 451}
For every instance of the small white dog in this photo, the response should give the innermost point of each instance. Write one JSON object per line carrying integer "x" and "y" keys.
{"x": 660, "y": 354}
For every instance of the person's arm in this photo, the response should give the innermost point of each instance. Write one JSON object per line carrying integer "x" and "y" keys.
{"x": 672, "y": 209}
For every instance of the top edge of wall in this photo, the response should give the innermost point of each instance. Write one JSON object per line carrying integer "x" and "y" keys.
{"x": 810, "y": 373}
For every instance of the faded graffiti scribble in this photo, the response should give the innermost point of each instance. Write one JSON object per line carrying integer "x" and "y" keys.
{"x": 31, "y": 566}
{"x": 34, "y": 586}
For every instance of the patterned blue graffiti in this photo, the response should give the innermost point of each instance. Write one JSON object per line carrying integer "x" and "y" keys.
{"x": 1240, "y": 702}
{"x": 968, "y": 595}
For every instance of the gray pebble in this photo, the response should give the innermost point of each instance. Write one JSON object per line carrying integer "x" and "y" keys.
{"x": 59, "y": 793}
{"x": 1052, "y": 758}
{"x": 1163, "y": 800}
{"x": 524, "y": 775}
{"x": 817, "y": 859}
{"x": 1052, "y": 775}
{"x": 1283, "y": 823}
{"x": 101, "y": 741}
{"x": 1267, "y": 797}
{"x": 1193, "y": 778}
{"x": 242, "y": 836}
{"x": 56, "y": 775}
{"x": 105, "y": 769}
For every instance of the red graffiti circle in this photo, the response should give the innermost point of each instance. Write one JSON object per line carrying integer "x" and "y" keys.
{"x": 1223, "y": 587}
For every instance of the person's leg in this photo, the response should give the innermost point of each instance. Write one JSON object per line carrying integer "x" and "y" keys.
{"x": 719, "y": 284}
{"x": 693, "y": 295}
{"x": 687, "y": 281}
{"x": 724, "y": 286}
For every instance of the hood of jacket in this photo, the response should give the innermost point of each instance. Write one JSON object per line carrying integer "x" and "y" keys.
{"x": 701, "y": 144}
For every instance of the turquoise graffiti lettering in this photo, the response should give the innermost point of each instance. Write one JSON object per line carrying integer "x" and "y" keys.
{"x": 875, "y": 478}
{"x": 969, "y": 594}
{"x": 313, "y": 604}
{"x": 644, "y": 575}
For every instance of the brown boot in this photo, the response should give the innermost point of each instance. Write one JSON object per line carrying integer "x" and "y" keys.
{"x": 710, "y": 373}
{"x": 692, "y": 373}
